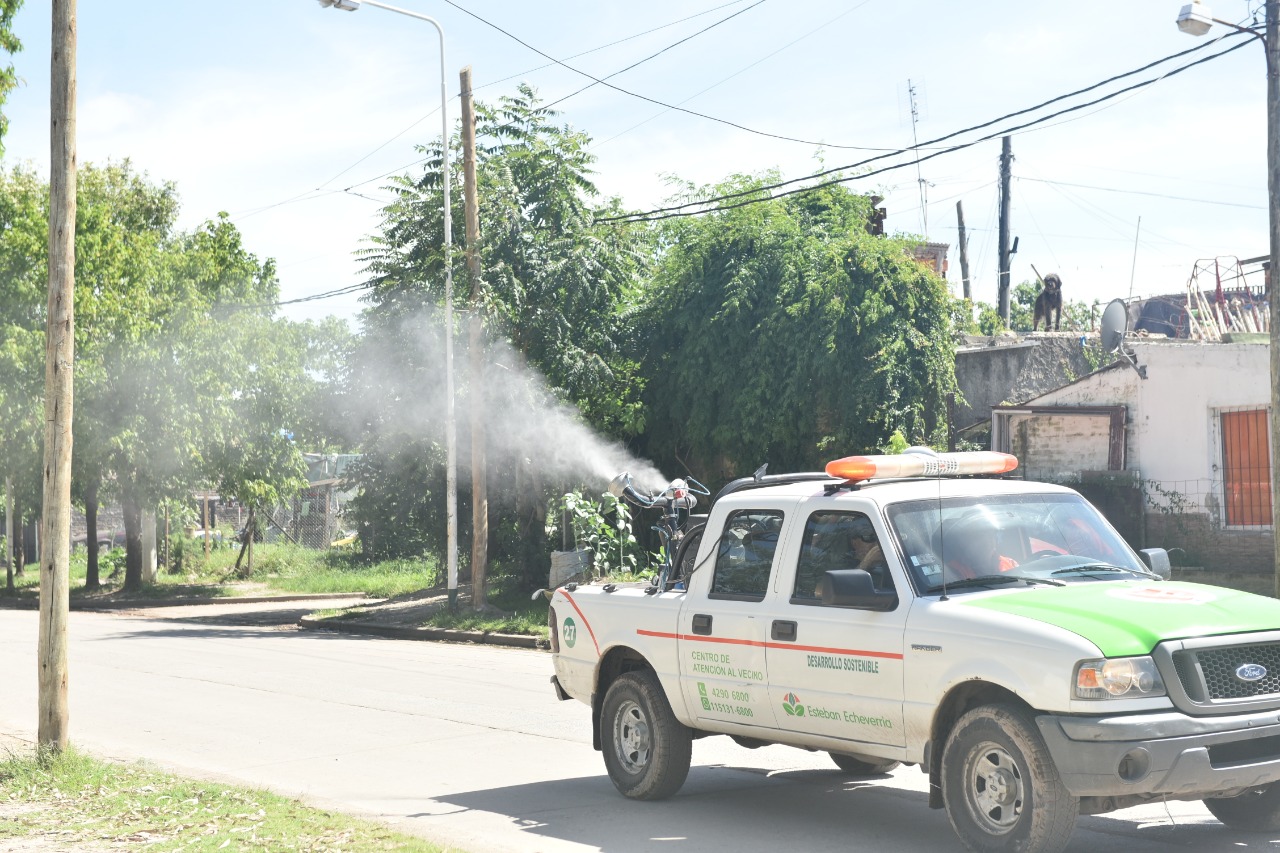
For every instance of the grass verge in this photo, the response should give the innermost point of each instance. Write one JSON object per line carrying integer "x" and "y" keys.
{"x": 278, "y": 568}
{"x": 72, "y": 801}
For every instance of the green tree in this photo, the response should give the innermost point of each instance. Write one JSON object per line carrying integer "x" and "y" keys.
{"x": 24, "y": 235}
{"x": 552, "y": 284}
{"x": 783, "y": 332}
{"x": 123, "y": 227}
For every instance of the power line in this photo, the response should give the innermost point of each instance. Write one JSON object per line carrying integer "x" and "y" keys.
{"x": 651, "y": 56}
{"x": 1142, "y": 192}
{"x": 655, "y": 101}
{"x": 672, "y": 211}
{"x": 320, "y": 192}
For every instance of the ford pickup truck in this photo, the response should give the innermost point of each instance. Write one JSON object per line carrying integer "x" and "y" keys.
{"x": 996, "y": 633}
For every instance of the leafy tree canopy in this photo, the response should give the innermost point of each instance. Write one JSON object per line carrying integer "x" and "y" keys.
{"x": 783, "y": 332}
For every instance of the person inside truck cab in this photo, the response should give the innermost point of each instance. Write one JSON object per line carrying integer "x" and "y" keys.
{"x": 972, "y": 546}
{"x": 850, "y": 542}
{"x": 863, "y": 544}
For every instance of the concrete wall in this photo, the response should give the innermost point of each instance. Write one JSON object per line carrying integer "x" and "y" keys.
{"x": 1013, "y": 369}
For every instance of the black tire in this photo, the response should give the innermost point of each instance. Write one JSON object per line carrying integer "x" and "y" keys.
{"x": 1252, "y": 811}
{"x": 1000, "y": 786}
{"x": 687, "y": 552}
{"x": 646, "y": 749}
{"x": 855, "y": 766}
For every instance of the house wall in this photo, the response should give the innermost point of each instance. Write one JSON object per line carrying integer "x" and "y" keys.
{"x": 1173, "y": 442}
{"x": 1055, "y": 446}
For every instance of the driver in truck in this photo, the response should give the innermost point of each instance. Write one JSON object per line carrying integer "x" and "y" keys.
{"x": 973, "y": 546}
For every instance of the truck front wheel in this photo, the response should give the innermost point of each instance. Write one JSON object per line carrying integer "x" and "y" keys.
{"x": 646, "y": 749}
{"x": 1252, "y": 811}
{"x": 1000, "y": 787}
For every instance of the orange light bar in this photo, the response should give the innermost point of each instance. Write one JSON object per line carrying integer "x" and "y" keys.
{"x": 922, "y": 465}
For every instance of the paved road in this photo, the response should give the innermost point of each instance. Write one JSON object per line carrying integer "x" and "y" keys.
{"x": 467, "y": 745}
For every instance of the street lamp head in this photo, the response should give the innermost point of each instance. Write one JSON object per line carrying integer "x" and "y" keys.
{"x": 1195, "y": 18}
{"x": 350, "y": 5}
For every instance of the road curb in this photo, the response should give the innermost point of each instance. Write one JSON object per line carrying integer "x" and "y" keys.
{"x": 519, "y": 641}
{"x": 24, "y": 604}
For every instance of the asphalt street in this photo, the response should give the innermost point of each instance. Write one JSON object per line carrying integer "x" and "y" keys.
{"x": 467, "y": 745}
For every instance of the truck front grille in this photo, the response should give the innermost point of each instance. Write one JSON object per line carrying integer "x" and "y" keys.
{"x": 1214, "y": 674}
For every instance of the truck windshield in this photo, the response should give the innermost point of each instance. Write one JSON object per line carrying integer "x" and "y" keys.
{"x": 1031, "y": 537}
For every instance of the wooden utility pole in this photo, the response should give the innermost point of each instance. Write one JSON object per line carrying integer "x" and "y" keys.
{"x": 964, "y": 250}
{"x": 8, "y": 533}
{"x": 59, "y": 359}
{"x": 1006, "y": 176}
{"x": 475, "y": 346}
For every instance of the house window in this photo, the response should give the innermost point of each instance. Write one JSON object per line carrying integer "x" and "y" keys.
{"x": 1246, "y": 467}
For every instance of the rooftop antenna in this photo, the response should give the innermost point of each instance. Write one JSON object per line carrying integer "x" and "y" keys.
{"x": 915, "y": 141}
{"x": 1114, "y": 326}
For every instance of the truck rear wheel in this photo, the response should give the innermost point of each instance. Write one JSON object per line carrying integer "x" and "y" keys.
{"x": 646, "y": 749}
{"x": 857, "y": 766}
{"x": 1000, "y": 787}
{"x": 1252, "y": 811}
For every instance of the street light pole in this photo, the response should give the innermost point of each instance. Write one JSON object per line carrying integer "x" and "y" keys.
{"x": 451, "y": 438}
{"x": 1272, "y": 45}
{"x": 1196, "y": 19}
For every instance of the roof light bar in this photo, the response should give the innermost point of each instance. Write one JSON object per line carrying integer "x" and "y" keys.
{"x": 922, "y": 464}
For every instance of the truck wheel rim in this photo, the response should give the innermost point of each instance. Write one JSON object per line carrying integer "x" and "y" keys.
{"x": 995, "y": 788}
{"x": 631, "y": 737}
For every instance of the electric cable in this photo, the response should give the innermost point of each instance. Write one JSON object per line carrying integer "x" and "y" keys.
{"x": 1143, "y": 192}
{"x": 639, "y": 62}
{"x": 307, "y": 195}
{"x": 673, "y": 211}
{"x": 784, "y": 138}
{"x": 741, "y": 70}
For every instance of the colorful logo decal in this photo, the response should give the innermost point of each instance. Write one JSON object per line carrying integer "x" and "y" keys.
{"x": 570, "y": 632}
{"x": 792, "y": 705}
{"x": 702, "y": 694}
{"x": 1168, "y": 595}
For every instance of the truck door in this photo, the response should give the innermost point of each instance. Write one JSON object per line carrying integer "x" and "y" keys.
{"x": 723, "y": 634}
{"x": 837, "y": 671}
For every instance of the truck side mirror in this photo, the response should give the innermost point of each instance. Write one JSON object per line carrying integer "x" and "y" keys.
{"x": 1157, "y": 560}
{"x": 854, "y": 588}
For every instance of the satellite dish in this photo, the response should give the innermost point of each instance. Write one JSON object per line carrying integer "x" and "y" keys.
{"x": 1114, "y": 326}
{"x": 1115, "y": 323}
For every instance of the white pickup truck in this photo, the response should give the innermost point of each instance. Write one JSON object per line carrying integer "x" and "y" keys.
{"x": 996, "y": 633}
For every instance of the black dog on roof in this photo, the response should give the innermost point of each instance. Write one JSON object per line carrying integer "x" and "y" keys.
{"x": 1049, "y": 303}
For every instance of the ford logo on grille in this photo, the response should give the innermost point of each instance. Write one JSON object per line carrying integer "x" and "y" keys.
{"x": 1251, "y": 672}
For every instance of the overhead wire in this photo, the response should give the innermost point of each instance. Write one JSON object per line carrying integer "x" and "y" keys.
{"x": 320, "y": 192}
{"x": 740, "y": 71}
{"x": 1039, "y": 230}
{"x": 655, "y": 101}
{"x": 639, "y": 62}
{"x": 677, "y": 210}
{"x": 682, "y": 210}
{"x": 1143, "y": 192}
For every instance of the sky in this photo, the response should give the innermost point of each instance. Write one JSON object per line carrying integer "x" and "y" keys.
{"x": 290, "y": 117}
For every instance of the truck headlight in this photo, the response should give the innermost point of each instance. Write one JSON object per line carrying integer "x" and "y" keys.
{"x": 1118, "y": 678}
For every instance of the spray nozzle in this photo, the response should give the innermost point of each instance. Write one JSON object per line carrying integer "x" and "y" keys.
{"x": 619, "y": 484}
{"x": 620, "y": 487}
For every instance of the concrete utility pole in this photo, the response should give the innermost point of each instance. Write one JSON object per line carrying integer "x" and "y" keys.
{"x": 1006, "y": 176}
{"x": 475, "y": 342}
{"x": 964, "y": 250}
{"x": 59, "y": 358}
{"x": 1273, "y": 267}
